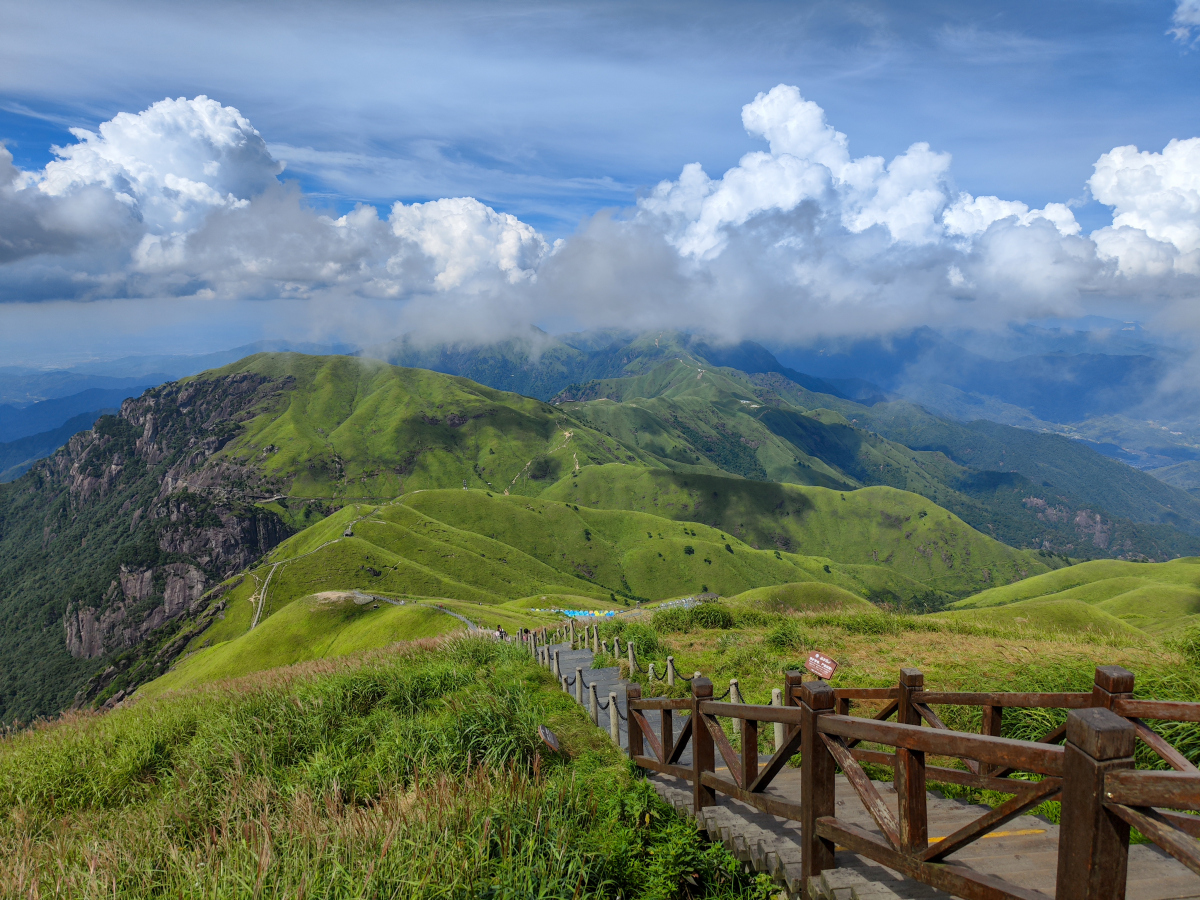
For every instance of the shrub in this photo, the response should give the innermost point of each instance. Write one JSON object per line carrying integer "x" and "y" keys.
{"x": 709, "y": 615}
{"x": 645, "y": 639}
{"x": 785, "y": 636}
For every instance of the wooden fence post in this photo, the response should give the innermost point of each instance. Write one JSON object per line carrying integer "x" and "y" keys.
{"x": 557, "y": 668}
{"x": 791, "y": 694}
{"x": 702, "y": 748}
{"x": 633, "y": 692}
{"x": 595, "y": 638}
{"x": 593, "y": 704}
{"x": 572, "y": 634}
{"x": 671, "y": 671}
{"x": 651, "y": 675}
{"x": 1093, "y": 843}
{"x": 579, "y": 685}
{"x": 780, "y": 737}
{"x": 616, "y": 645}
{"x": 614, "y": 719}
{"x": 749, "y": 751}
{"x": 816, "y": 781}
{"x": 632, "y": 658}
{"x": 735, "y": 692}
{"x": 1111, "y": 683}
{"x": 993, "y": 726}
{"x": 910, "y": 769}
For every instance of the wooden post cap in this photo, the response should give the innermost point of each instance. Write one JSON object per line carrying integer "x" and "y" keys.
{"x": 912, "y": 678}
{"x": 701, "y": 687}
{"x": 1114, "y": 679}
{"x": 817, "y": 695}
{"x": 1100, "y": 733}
{"x": 633, "y": 691}
{"x": 792, "y": 676}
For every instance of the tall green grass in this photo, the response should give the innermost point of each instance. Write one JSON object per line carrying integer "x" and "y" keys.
{"x": 410, "y": 775}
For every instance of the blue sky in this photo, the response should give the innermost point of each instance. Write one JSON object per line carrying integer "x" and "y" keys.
{"x": 553, "y": 112}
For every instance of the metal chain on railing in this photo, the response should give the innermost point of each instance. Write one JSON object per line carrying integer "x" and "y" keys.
{"x": 570, "y": 680}
{"x": 724, "y": 695}
{"x": 604, "y": 705}
{"x": 621, "y": 715}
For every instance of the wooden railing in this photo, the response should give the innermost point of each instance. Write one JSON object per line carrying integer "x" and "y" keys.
{"x": 1092, "y": 774}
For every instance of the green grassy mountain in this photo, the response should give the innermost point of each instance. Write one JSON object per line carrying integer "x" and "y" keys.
{"x": 770, "y": 428}
{"x": 129, "y": 529}
{"x": 1062, "y": 471}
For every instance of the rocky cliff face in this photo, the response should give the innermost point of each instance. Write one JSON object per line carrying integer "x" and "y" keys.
{"x": 120, "y": 535}
{"x": 202, "y": 515}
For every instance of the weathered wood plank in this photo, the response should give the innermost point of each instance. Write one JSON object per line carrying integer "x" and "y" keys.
{"x": 935, "y": 721}
{"x": 776, "y": 763}
{"x": 1046, "y": 760}
{"x": 662, "y": 703}
{"x": 1154, "y": 826}
{"x": 954, "y": 776}
{"x": 1174, "y": 790}
{"x": 681, "y": 742}
{"x": 1176, "y": 711}
{"x": 1009, "y": 700}
{"x": 721, "y": 740}
{"x": 776, "y": 806}
{"x": 682, "y": 772}
{"x": 787, "y": 714}
{"x": 862, "y": 785}
{"x": 648, "y": 735}
{"x": 1159, "y": 745}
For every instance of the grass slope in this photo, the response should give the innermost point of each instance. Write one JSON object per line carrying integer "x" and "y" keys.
{"x": 879, "y": 528}
{"x": 350, "y": 428}
{"x": 414, "y": 774}
{"x": 314, "y": 627}
{"x": 1159, "y": 598}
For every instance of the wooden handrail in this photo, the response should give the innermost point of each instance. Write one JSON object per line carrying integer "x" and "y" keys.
{"x": 1171, "y": 710}
{"x": 1072, "y": 700}
{"x": 1092, "y": 773}
{"x": 1044, "y": 759}
{"x": 1133, "y": 787}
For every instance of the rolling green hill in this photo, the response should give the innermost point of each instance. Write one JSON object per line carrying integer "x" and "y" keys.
{"x": 1158, "y": 598}
{"x": 493, "y": 559}
{"x": 878, "y": 528}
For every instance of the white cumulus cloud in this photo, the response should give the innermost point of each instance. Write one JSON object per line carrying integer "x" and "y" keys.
{"x": 1155, "y": 199}
{"x": 799, "y": 238}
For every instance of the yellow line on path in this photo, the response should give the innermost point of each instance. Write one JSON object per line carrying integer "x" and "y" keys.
{"x": 1020, "y": 832}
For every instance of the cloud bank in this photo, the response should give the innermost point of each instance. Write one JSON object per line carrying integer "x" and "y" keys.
{"x": 798, "y": 240}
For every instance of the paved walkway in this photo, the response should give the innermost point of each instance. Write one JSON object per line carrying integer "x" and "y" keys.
{"x": 1023, "y": 852}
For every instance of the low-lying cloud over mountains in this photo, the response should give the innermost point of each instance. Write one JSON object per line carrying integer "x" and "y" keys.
{"x": 184, "y": 201}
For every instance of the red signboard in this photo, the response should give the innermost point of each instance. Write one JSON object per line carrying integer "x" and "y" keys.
{"x": 820, "y": 665}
